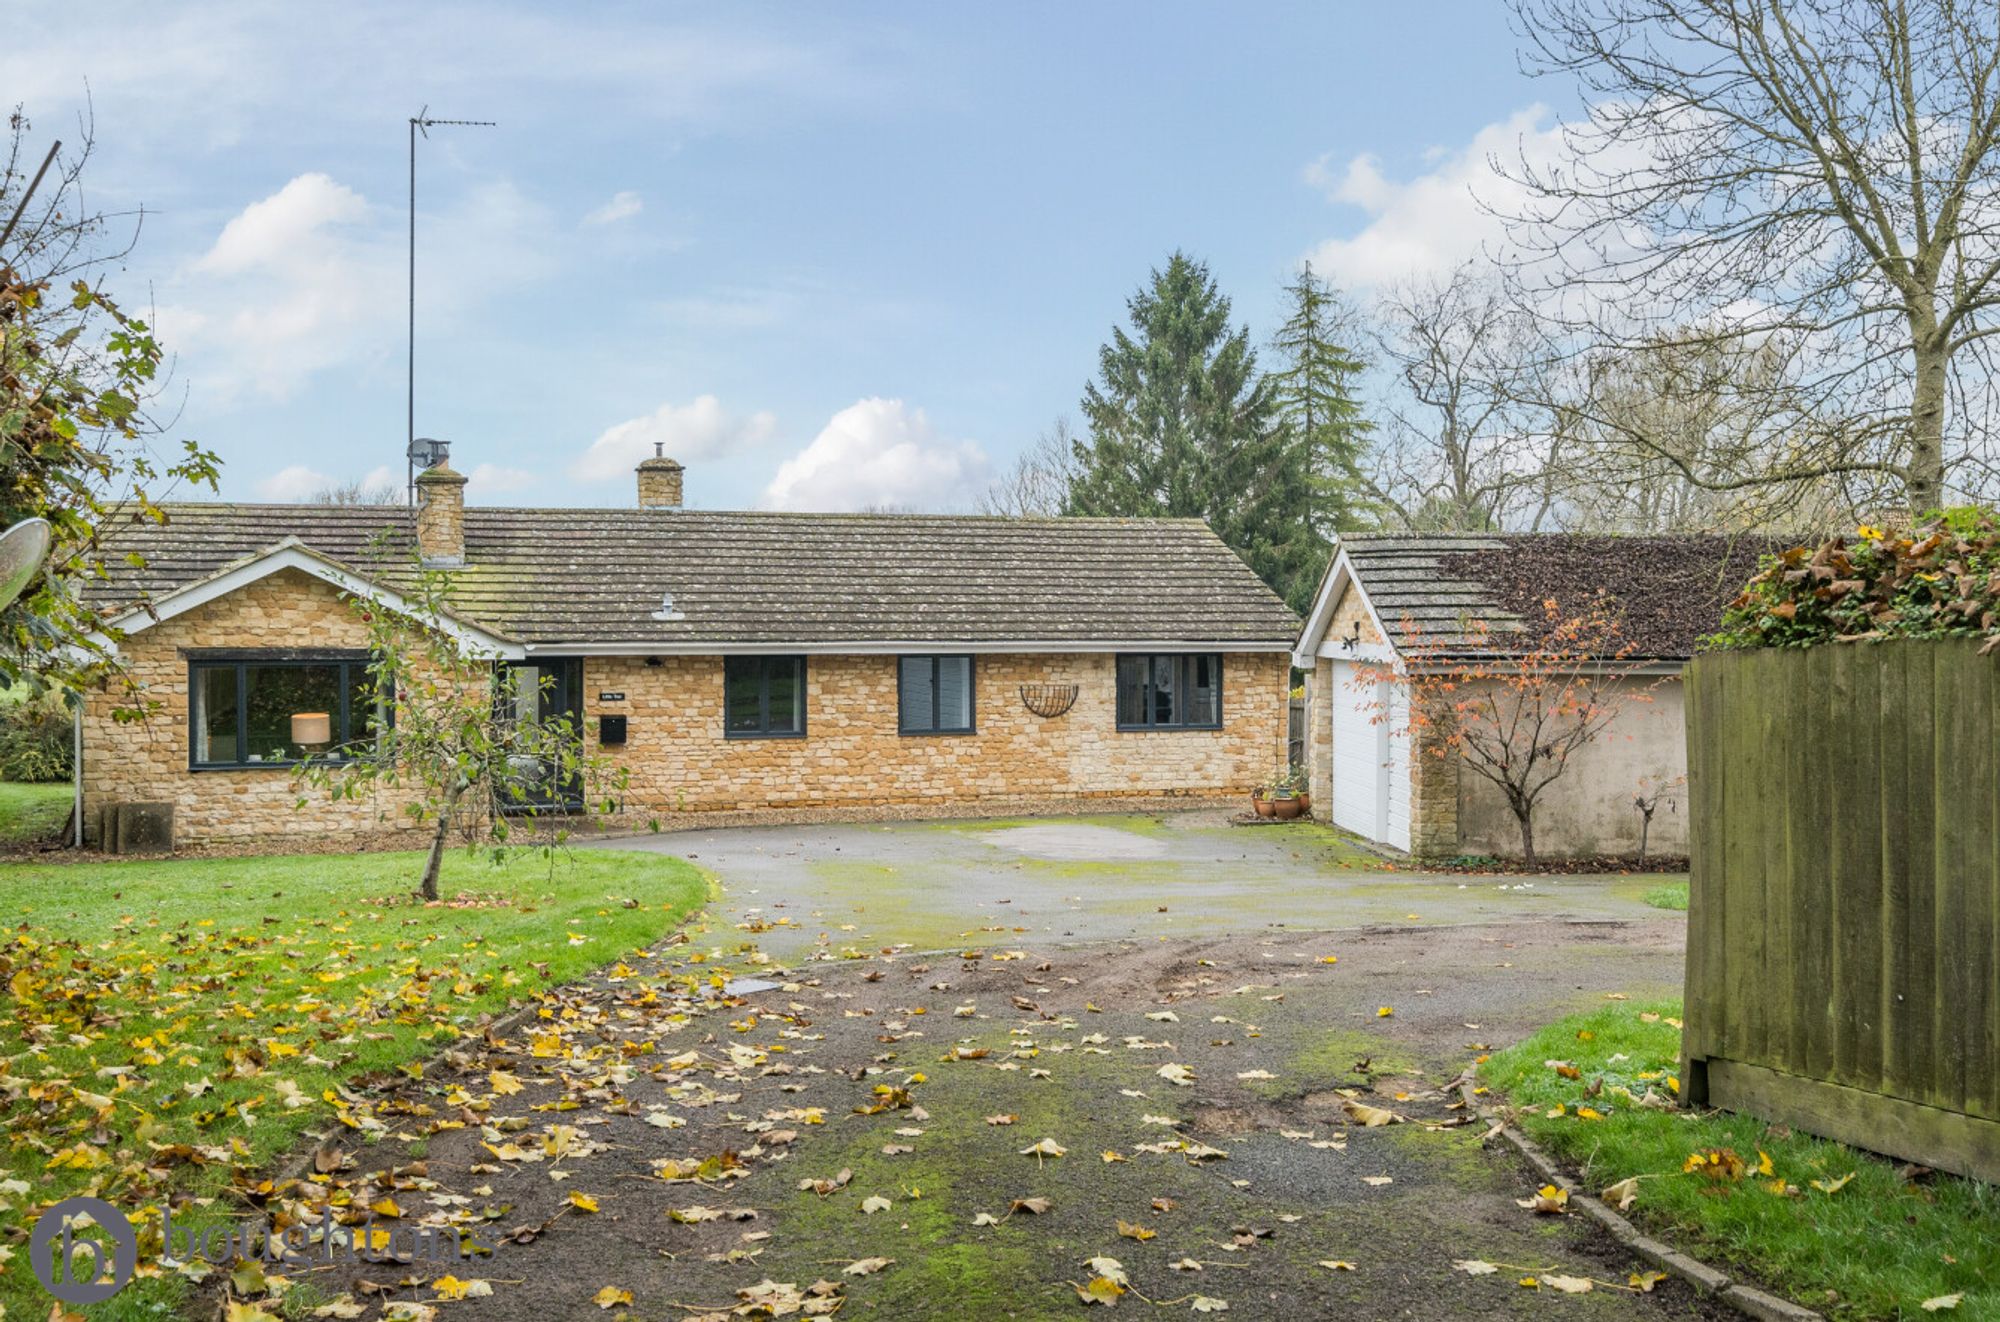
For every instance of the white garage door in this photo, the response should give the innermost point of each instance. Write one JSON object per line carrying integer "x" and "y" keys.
{"x": 1371, "y": 765}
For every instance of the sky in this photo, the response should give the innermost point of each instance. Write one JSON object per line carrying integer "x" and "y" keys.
{"x": 828, "y": 256}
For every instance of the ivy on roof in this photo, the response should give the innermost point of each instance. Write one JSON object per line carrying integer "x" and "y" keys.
{"x": 1940, "y": 579}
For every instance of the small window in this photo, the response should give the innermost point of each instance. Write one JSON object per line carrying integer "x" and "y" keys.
{"x": 764, "y": 697}
{"x": 1170, "y": 691}
{"x": 934, "y": 694}
{"x": 256, "y": 712}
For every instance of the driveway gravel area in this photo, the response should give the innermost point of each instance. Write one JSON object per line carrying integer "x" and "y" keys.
{"x": 1023, "y": 1070}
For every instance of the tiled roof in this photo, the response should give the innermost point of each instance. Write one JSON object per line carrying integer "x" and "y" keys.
{"x": 1670, "y": 590}
{"x": 597, "y": 576}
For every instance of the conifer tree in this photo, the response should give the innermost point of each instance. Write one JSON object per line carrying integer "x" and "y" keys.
{"x": 1315, "y": 381}
{"x": 1182, "y": 425}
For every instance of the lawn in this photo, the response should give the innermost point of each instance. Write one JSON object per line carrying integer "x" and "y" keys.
{"x": 1876, "y": 1245}
{"x": 173, "y": 1023}
{"x": 1673, "y": 895}
{"x": 30, "y": 814}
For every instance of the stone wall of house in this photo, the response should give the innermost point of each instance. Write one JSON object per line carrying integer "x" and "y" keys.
{"x": 680, "y": 761}
{"x": 1350, "y": 611}
{"x": 1436, "y": 776}
{"x": 1319, "y": 738}
{"x": 678, "y": 758}
{"x": 147, "y": 760}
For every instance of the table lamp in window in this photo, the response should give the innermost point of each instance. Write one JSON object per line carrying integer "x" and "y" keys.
{"x": 312, "y": 730}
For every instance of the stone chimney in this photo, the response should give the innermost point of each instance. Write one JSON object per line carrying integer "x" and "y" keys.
{"x": 441, "y": 517}
{"x": 660, "y": 481}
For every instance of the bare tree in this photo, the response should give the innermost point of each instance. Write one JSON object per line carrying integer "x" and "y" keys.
{"x": 1514, "y": 708}
{"x": 1821, "y": 174}
{"x": 1456, "y": 447}
{"x": 1651, "y": 439}
{"x": 1039, "y": 481}
{"x": 357, "y": 492}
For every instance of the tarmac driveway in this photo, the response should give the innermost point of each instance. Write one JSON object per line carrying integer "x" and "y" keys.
{"x": 982, "y": 1070}
{"x": 936, "y": 885}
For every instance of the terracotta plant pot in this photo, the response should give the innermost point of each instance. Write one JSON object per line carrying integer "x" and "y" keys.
{"x": 1265, "y": 807}
{"x": 1285, "y": 809}
{"x": 1305, "y": 805}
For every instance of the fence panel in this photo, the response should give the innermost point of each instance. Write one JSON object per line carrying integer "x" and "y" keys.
{"x": 1843, "y": 964}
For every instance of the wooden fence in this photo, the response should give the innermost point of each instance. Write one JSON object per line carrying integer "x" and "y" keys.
{"x": 1843, "y": 960}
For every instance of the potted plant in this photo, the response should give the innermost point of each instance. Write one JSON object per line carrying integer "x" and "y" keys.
{"x": 1301, "y": 786}
{"x": 1260, "y": 799}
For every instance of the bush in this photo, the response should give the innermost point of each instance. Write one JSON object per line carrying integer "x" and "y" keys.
{"x": 1939, "y": 580}
{"x": 36, "y": 740}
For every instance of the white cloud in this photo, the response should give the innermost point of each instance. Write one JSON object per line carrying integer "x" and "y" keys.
{"x": 294, "y": 283}
{"x": 287, "y": 287}
{"x": 623, "y": 205}
{"x": 688, "y": 432}
{"x": 294, "y": 483}
{"x": 496, "y": 479}
{"x": 299, "y": 482}
{"x": 878, "y": 452}
{"x": 1432, "y": 222}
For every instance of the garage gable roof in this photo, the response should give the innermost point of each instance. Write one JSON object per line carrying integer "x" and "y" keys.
{"x": 1670, "y": 589}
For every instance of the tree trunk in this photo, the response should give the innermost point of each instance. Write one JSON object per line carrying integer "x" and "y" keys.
{"x": 435, "y": 862}
{"x": 1527, "y": 819}
{"x": 1925, "y": 480}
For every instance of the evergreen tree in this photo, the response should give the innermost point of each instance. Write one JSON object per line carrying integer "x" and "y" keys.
{"x": 1182, "y": 425}
{"x": 1315, "y": 382}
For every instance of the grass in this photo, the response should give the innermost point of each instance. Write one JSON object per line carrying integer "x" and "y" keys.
{"x": 1673, "y": 895}
{"x": 30, "y": 814}
{"x": 176, "y": 1023}
{"x": 1874, "y": 1247}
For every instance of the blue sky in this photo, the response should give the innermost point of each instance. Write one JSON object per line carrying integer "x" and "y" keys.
{"x": 830, "y": 255}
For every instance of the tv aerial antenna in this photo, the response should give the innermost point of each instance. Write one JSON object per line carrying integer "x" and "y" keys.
{"x": 423, "y": 123}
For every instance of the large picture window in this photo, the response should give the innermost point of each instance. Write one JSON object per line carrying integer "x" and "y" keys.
{"x": 254, "y": 711}
{"x": 1170, "y": 691}
{"x": 934, "y": 694}
{"x": 764, "y": 697}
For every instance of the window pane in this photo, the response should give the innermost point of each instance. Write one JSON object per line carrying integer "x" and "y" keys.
{"x": 954, "y": 692}
{"x": 363, "y": 720}
{"x": 787, "y": 702}
{"x": 1204, "y": 690}
{"x": 1132, "y": 690}
{"x": 742, "y": 694}
{"x": 277, "y": 694}
{"x": 914, "y": 683}
{"x": 524, "y": 696}
{"x": 214, "y": 715}
{"x": 1166, "y": 690}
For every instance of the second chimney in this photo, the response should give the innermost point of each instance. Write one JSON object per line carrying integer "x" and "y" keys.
{"x": 660, "y": 481}
{"x": 441, "y": 517}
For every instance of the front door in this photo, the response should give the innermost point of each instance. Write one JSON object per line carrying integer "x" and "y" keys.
{"x": 547, "y": 689}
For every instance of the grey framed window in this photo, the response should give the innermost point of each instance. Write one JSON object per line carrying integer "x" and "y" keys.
{"x": 1170, "y": 691}
{"x": 934, "y": 695}
{"x": 253, "y": 711}
{"x": 764, "y": 697}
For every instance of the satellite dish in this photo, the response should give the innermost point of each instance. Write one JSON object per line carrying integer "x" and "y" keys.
{"x": 23, "y": 547}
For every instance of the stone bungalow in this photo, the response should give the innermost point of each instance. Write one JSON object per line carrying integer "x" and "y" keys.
{"x": 768, "y": 663}
{"x": 1384, "y": 590}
